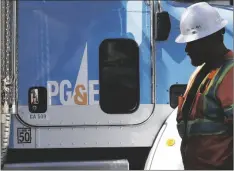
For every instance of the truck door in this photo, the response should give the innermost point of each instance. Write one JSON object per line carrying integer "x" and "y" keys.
{"x": 84, "y": 63}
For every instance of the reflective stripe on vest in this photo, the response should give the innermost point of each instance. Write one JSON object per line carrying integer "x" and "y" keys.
{"x": 212, "y": 121}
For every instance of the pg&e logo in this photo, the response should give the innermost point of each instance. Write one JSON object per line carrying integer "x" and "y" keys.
{"x": 80, "y": 95}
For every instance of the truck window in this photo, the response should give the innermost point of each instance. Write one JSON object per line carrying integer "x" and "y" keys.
{"x": 212, "y": 2}
{"x": 119, "y": 76}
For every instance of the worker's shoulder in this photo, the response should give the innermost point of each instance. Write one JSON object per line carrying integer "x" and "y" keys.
{"x": 227, "y": 65}
{"x": 228, "y": 59}
{"x": 228, "y": 68}
{"x": 226, "y": 71}
{"x": 229, "y": 55}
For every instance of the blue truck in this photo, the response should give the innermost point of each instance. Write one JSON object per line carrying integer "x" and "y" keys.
{"x": 88, "y": 84}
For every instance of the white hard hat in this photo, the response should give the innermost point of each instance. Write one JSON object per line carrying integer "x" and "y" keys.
{"x": 199, "y": 20}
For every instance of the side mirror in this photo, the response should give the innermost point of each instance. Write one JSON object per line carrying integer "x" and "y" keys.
{"x": 176, "y": 90}
{"x": 162, "y": 26}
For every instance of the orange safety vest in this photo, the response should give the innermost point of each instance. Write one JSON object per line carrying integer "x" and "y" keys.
{"x": 209, "y": 119}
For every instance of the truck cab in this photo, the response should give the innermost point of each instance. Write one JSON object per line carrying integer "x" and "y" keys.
{"x": 93, "y": 84}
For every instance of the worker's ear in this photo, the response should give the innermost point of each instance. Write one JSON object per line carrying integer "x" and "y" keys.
{"x": 219, "y": 35}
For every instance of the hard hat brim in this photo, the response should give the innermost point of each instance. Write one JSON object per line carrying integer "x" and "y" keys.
{"x": 189, "y": 38}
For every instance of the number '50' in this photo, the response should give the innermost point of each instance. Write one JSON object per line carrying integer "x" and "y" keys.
{"x": 24, "y": 137}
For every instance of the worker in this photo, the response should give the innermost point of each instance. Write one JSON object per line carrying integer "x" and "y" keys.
{"x": 205, "y": 111}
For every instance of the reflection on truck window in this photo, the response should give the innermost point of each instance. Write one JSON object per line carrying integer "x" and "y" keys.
{"x": 34, "y": 96}
{"x": 215, "y": 2}
{"x": 119, "y": 76}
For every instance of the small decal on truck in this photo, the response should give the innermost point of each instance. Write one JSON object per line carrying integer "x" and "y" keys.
{"x": 24, "y": 135}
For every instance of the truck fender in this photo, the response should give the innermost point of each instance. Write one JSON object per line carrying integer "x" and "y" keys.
{"x": 165, "y": 152}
